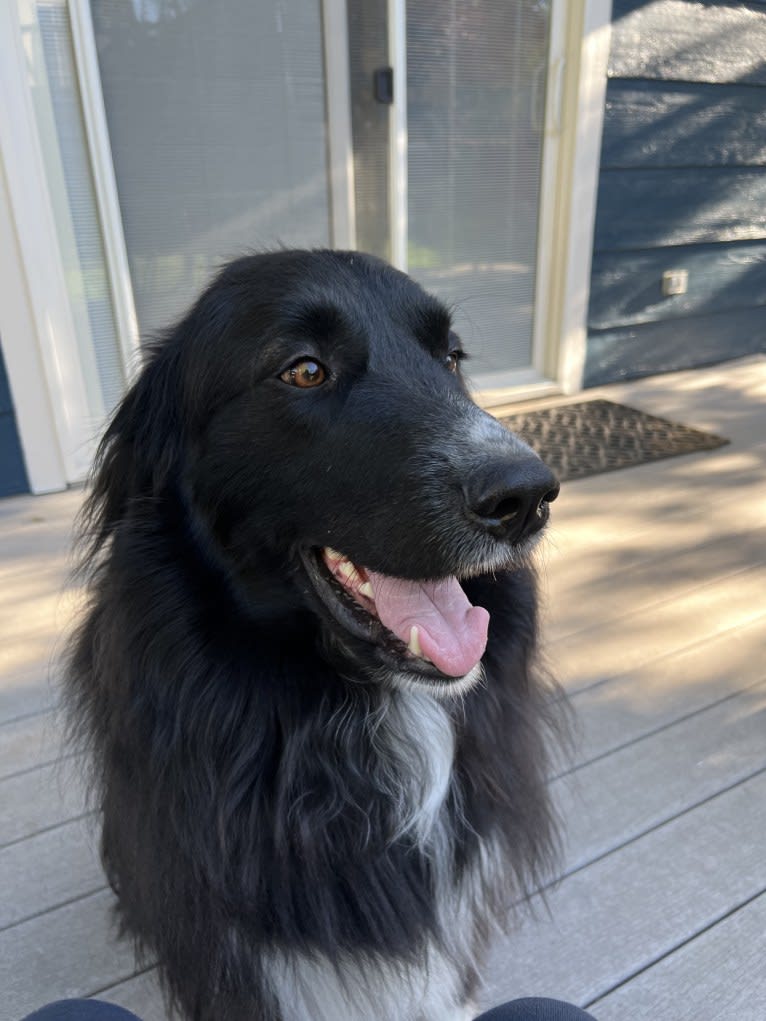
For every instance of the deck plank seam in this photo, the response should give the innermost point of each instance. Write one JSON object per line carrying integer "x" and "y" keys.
{"x": 668, "y": 953}
{"x": 48, "y": 829}
{"x": 710, "y": 582}
{"x": 570, "y": 588}
{"x": 54, "y": 907}
{"x": 679, "y": 650}
{"x": 128, "y": 978}
{"x": 676, "y": 721}
{"x": 41, "y": 765}
{"x": 651, "y": 829}
{"x": 30, "y": 715}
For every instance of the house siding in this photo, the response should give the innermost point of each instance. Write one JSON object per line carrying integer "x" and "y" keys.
{"x": 682, "y": 185}
{"x": 13, "y": 475}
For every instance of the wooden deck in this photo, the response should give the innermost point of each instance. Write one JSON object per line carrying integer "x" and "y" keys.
{"x": 656, "y": 580}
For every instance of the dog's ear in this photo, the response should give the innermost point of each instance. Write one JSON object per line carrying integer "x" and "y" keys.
{"x": 141, "y": 453}
{"x": 140, "y": 450}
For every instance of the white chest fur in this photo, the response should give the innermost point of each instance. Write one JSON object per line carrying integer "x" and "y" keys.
{"x": 414, "y": 741}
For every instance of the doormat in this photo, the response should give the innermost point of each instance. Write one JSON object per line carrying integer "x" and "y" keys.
{"x": 591, "y": 437}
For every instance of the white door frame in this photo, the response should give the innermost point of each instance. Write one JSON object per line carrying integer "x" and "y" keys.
{"x": 582, "y": 112}
{"x": 35, "y": 421}
{"x": 107, "y": 199}
{"x": 574, "y": 117}
{"x": 397, "y": 134}
{"x": 340, "y": 151}
{"x": 45, "y": 372}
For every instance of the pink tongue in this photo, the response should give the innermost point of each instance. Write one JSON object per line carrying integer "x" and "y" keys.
{"x": 452, "y": 632}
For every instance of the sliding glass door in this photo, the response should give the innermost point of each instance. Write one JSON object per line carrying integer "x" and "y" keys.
{"x": 222, "y": 118}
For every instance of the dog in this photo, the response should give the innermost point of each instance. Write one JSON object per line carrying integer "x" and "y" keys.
{"x": 307, "y": 674}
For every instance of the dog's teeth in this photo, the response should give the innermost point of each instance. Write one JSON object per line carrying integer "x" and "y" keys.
{"x": 365, "y": 589}
{"x": 348, "y": 570}
{"x": 414, "y": 642}
{"x": 332, "y": 554}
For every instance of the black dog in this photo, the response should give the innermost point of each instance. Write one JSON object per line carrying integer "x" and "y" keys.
{"x": 307, "y": 671}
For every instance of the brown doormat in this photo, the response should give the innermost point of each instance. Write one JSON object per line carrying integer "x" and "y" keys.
{"x": 591, "y": 437}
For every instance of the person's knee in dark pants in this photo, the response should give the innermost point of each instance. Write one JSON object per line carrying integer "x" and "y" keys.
{"x": 82, "y": 1010}
{"x": 518, "y": 1010}
{"x": 536, "y": 1009}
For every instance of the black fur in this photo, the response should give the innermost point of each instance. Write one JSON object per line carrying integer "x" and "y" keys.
{"x": 245, "y": 810}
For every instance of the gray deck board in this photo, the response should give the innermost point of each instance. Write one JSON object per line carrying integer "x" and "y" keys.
{"x": 633, "y": 498}
{"x": 731, "y": 958}
{"x": 27, "y": 657}
{"x": 623, "y": 795}
{"x": 48, "y": 869}
{"x": 645, "y": 585}
{"x": 20, "y": 698}
{"x": 140, "y": 994}
{"x": 29, "y": 742}
{"x": 39, "y": 799}
{"x": 70, "y": 951}
{"x": 31, "y": 610}
{"x": 623, "y": 644}
{"x": 626, "y": 708}
{"x": 610, "y": 920}
{"x": 575, "y": 556}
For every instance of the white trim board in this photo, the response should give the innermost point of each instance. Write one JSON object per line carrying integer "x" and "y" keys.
{"x": 552, "y": 170}
{"x": 107, "y": 200}
{"x": 38, "y": 333}
{"x": 583, "y": 99}
{"x": 31, "y": 401}
{"x": 397, "y": 128}
{"x": 340, "y": 152}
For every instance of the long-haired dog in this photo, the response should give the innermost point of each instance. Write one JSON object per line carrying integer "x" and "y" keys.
{"x": 307, "y": 671}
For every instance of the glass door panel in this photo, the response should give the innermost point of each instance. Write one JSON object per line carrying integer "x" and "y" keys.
{"x": 370, "y": 127}
{"x": 216, "y": 115}
{"x": 475, "y": 99}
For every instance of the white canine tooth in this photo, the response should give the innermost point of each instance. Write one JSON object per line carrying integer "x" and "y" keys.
{"x": 332, "y": 554}
{"x": 348, "y": 570}
{"x": 414, "y": 642}
{"x": 365, "y": 589}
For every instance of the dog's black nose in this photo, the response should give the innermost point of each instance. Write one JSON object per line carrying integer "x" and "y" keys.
{"x": 511, "y": 499}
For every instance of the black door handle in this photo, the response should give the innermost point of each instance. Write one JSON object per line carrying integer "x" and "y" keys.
{"x": 383, "y": 85}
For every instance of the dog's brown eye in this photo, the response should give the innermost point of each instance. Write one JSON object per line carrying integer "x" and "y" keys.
{"x": 453, "y": 360}
{"x": 305, "y": 373}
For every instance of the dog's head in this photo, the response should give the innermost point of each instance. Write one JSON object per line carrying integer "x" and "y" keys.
{"x": 310, "y": 413}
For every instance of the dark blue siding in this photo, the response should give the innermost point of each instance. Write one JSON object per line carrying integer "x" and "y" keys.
{"x": 640, "y": 208}
{"x": 691, "y": 41}
{"x": 13, "y": 476}
{"x": 648, "y": 348}
{"x": 682, "y": 186}
{"x": 626, "y": 291}
{"x": 683, "y": 124}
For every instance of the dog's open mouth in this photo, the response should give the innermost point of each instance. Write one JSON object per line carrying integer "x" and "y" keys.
{"x": 424, "y": 627}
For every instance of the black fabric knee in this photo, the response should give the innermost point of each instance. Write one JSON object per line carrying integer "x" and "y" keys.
{"x": 81, "y": 1010}
{"x": 536, "y": 1009}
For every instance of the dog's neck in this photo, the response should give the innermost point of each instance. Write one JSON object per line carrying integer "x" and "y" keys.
{"x": 414, "y": 740}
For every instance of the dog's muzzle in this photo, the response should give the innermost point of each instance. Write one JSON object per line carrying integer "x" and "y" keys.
{"x": 510, "y": 499}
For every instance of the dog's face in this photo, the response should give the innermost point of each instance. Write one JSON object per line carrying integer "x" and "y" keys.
{"x": 335, "y": 447}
